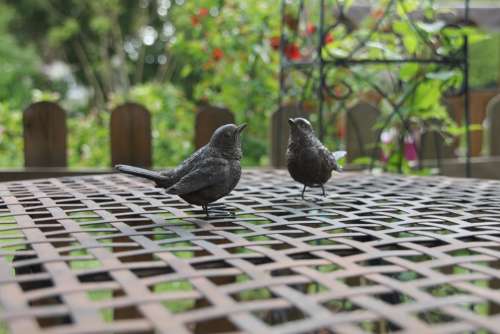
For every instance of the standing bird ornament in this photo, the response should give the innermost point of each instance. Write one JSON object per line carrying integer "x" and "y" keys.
{"x": 309, "y": 161}
{"x": 209, "y": 174}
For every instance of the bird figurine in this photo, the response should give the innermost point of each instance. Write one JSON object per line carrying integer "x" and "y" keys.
{"x": 308, "y": 160}
{"x": 209, "y": 174}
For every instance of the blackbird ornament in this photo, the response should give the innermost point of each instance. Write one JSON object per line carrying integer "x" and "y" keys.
{"x": 209, "y": 174}
{"x": 308, "y": 160}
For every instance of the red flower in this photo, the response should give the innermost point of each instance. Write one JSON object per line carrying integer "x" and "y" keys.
{"x": 275, "y": 42}
{"x": 292, "y": 52}
{"x": 203, "y": 12}
{"x": 310, "y": 29}
{"x": 195, "y": 20}
{"x": 329, "y": 38}
{"x": 217, "y": 54}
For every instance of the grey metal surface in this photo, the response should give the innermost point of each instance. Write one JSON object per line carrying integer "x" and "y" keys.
{"x": 110, "y": 253}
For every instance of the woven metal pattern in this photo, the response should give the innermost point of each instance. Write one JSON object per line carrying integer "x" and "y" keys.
{"x": 380, "y": 254}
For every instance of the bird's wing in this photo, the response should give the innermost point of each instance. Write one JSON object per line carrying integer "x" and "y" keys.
{"x": 331, "y": 157}
{"x": 207, "y": 174}
{"x": 186, "y": 166}
{"x": 325, "y": 155}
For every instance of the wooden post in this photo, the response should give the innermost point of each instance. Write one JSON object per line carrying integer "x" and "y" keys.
{"x": 208, "y": 119}
{"x": 361, "y": 135}
{"x": 45, "y": 135}
{"x": 131, "y": 135}
{"x": 433, "y": 146}
{"x": 479, "y": 100}
{"x": 493, "y": 120}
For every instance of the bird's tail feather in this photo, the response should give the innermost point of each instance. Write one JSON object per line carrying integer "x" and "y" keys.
{"x": 338, "y": 155}
{"x": 142, "y": 172}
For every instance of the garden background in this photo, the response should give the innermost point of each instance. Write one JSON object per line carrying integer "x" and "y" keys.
{"x": 169, "y": 55}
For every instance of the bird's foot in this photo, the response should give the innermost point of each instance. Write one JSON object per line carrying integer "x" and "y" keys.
{"x": 315, "y": 199}
{"x": 219, "y": 211}
{"x": 302, "y": 193}
{"x": 323, "y": 191}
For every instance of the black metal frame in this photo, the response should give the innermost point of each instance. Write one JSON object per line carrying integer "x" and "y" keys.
{"x": 320, "y": 64}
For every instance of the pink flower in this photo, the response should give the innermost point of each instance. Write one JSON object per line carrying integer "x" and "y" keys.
{"x": 410, "y": 150}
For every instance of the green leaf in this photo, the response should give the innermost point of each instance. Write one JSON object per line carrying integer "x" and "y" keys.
{"x": 60, "y": 34}
{"x": 100, "y": 24}
{"x": 401, "y": 27}
{"x": 431, "y": 27}
{"x": 186, "y": 70}
{"x": 442, "y": 75}
{"x": 406, "y": 6}
{"x": 337, "y": 52}
{"x": 474, "y": 35}
{"x": 410, "y": 42}
{"x": 408, "y": 71}
{"x": 427, "y": 95}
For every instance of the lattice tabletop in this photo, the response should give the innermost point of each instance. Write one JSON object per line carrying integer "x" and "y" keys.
{"x": 382, "y": 253}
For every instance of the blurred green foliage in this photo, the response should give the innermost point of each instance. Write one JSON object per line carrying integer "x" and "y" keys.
{"x": 485, "y": 62}
{"x": 11, "y": 136}
{"x": 16, "y": 82}
{"x": 18, "y": 63}
{"x": 172, "y": 55}
{"x": 410, "y": 93}
{"x": 169, "y": 56}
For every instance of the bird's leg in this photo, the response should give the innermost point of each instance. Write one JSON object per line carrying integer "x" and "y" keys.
{"x": 303, "y": 191}
{"x": 323, "y": 190}
{"x": 205, "y": 209}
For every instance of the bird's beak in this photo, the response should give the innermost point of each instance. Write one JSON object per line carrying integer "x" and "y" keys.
{"x": 291, "y": 121}
{"x": 241, "y": 127}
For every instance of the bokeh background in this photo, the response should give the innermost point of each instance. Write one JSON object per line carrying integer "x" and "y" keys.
{"x": 169, "y": 55}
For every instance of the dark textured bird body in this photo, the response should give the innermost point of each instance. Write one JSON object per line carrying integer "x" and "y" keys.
{"x": 308, "y": 160}
{"x": 209, "y": 174}
{"x": 215, "y": 179}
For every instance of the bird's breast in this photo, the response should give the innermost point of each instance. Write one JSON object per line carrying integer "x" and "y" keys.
{"x": 308, "y": 166}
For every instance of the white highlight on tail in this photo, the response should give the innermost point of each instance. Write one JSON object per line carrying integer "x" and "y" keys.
{"x": 339, "y": 154}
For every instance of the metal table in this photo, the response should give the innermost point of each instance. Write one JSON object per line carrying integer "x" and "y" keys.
{"x": 386, "y": 253}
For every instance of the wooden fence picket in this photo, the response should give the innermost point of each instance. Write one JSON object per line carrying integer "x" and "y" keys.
{"x": 130, "y": 133}
{"x": 360, "y": 130}
{"x": 208, "y": 119}
{"x": 45, "y": 135}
